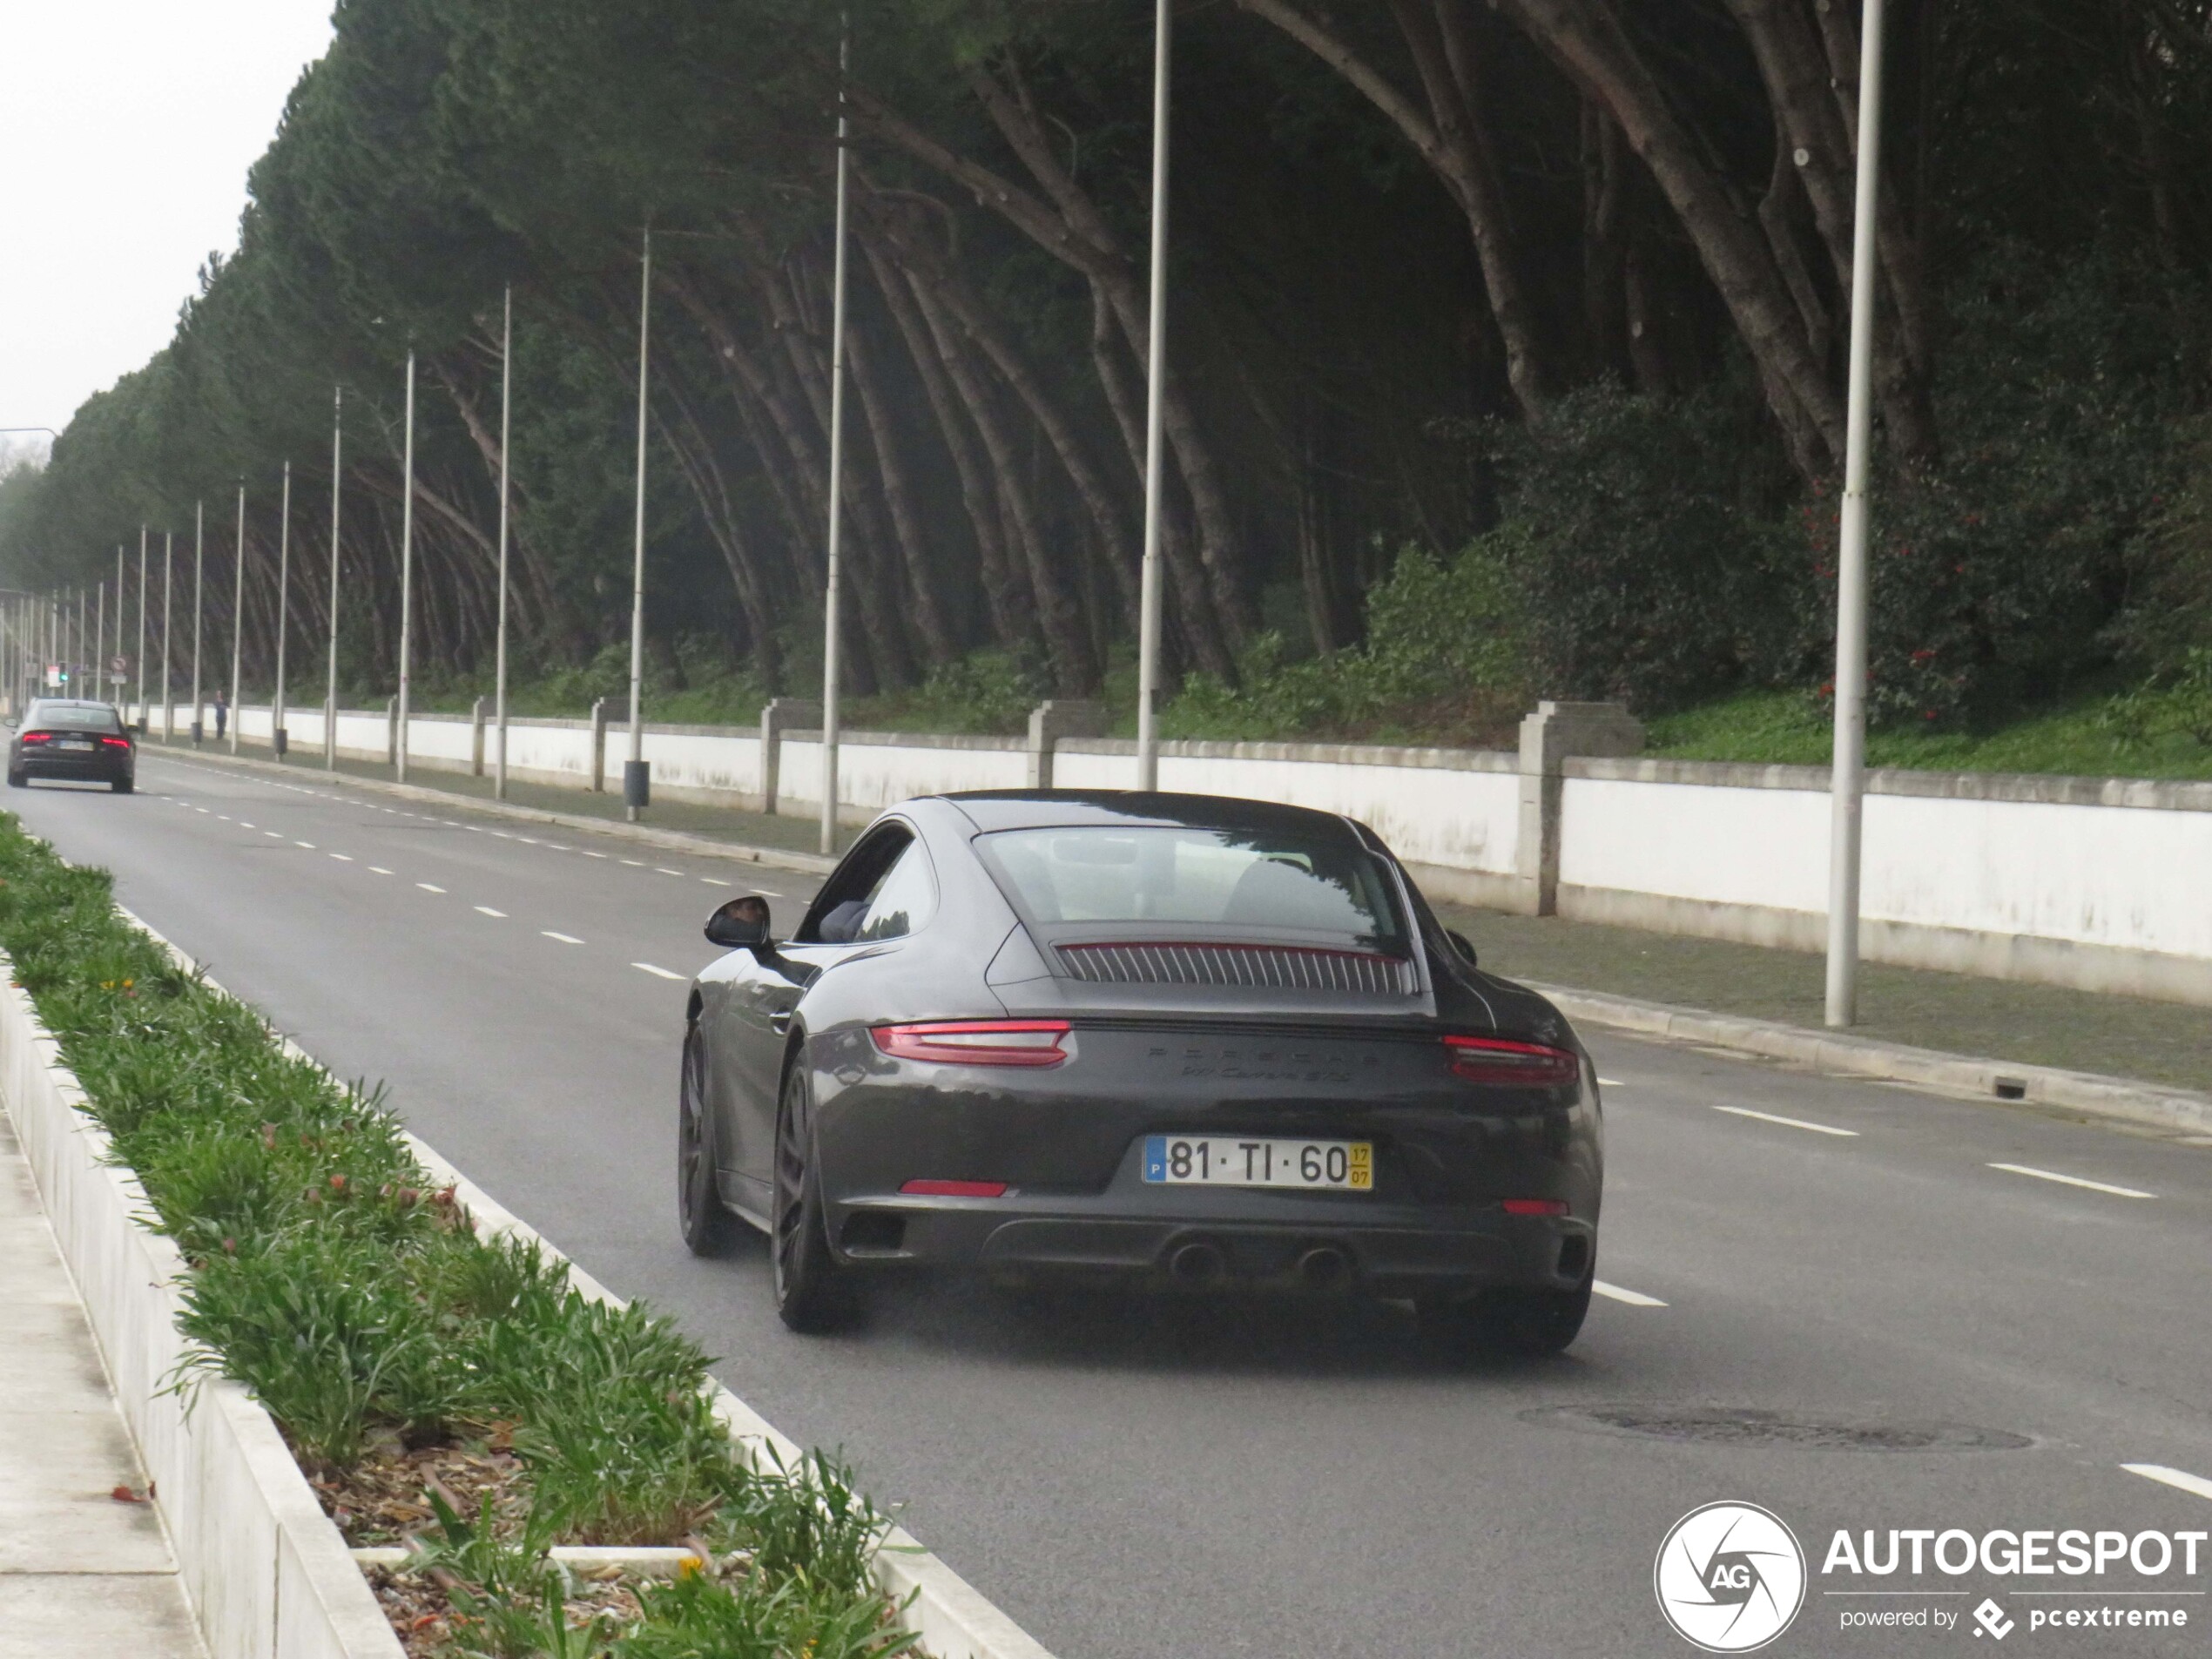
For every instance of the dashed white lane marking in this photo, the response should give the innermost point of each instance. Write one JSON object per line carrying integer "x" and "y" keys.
{"x": 1787, "y": 1122}
{"x": 711, "y": 883}
{"x": 529, "y": 840}
{"x": 202, "y": 811}
{"x": 272, "y": 834}
{"x": 310, "y": 846}
{"x": 343, "y": 857}
{"x": 554, "y": 846}
{"x": 2179, "y": 1478}
{"x": 1634, "y": 1298}
{"x": 566, "y": 939}
{"x": 2073, "y": 1181}
{"x": 678, "y": 874}
{"x": 226, "y": 817}
{"x": 426, "y": 887}
{"x": 242, "y": 824}
{"x": 1611, "y": 1083}
{"x": 658, "y": 973}
{"x": 486, "y": 910}
{"x": 635, "y": 864}
{"x": 378, "y": 869}
{"x": 588, "y": 853}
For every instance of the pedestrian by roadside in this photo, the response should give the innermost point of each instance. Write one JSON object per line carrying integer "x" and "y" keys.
{"x": 222, "y": 715}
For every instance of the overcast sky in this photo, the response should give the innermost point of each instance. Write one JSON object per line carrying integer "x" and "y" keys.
{"x": 127, "y": 127}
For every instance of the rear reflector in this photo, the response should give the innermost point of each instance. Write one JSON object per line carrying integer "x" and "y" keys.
{"x": 955, "y": 1188}
{"x": 1535, "y": 1206}
{"x": 1511, "y": 1065}
{"x": 977, "y": 1043}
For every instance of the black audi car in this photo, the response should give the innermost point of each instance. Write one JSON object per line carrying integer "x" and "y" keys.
{"x": 79, "y": 742}
{"x": 1209, "y": 1042}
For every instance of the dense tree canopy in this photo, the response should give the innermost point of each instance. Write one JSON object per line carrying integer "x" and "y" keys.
{"x": 1564, "y": 279}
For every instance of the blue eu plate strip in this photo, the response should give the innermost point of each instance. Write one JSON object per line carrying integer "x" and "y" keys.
{"x": 1155, "y": 1158}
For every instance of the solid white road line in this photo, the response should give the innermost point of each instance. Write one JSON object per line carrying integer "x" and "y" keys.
{"x": 2187, "y": 1482}
{"x": 660, "y": 973}
{"x": 566, "y": 939}
{"x": 2073, "y": 1181}
{"x": 486, "y": 910}
{"x": 426, "y": 887}
{"x": 1789, "y": 1122}
{"x": 1634, "y": 1298}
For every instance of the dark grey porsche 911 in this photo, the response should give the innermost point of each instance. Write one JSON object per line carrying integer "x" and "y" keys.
{"x": 1211, "y": 1042}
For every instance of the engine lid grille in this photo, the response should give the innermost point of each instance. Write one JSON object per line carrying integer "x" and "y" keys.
{"x": 1285, "y": 966}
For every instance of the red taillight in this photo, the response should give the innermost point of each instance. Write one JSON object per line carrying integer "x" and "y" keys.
{"x": 36, "y": 736}
{"x": 956, "y": 1189}
{"x": 1511, "y": 1065}
{"x": 977, "y": 1043}
{"x": 116, "y": 743}
{"x": 1535, "y": 1206}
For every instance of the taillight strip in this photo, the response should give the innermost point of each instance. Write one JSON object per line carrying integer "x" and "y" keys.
{"x": 1505, "y": 1063}
{"x": 976, "y": 1042}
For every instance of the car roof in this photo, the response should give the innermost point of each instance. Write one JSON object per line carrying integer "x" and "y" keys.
{"x": 990, "y": 810}
{"x": 70, "y": 702}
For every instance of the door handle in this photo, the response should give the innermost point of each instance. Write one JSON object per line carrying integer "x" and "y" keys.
{"x": 779, "y": 1023}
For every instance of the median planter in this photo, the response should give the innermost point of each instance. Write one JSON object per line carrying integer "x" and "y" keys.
{"x": 323, "y": 1338}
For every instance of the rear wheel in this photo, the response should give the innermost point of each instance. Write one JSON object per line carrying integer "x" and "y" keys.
{"x": 123, "y": 786}
{"x": 705, "y": 1223}
{"x": 17, "y": 781}
{"x": 1509, "y": 1319}
{"x": 813, "y": 1293}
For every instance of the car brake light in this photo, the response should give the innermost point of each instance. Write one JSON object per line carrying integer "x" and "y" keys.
{"x": 36, "y": 736}
{"x": 956, "y": 1189}
{"x": 1535, "y": 1206}
{"x": 977, "y": 1043}
{"x": 116, "y": 743}
{"x": 1511, "y": 1065}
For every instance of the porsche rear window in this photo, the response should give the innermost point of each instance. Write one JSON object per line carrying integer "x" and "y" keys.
{"x": 1190, "y": 877}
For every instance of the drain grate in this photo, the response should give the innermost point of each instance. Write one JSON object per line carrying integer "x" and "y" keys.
{"x": 1729, "y": 1426}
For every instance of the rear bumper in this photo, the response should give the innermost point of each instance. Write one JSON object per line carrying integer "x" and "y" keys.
{"x": 1225, "y": 1237}
{"x": 82, "y": 768}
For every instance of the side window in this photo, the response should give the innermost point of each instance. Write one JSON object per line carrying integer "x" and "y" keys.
{"x": 847, "y": 900}
{"x": 903, "y": 901}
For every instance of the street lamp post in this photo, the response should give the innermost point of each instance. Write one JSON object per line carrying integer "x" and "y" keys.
{"x": 636, "y": 787}
{"x": 1847, "y": 785}
{"x": 118, "y": 618}
{"x": 100, "y": 644}
{"x": 198, "y": 607}
{"x": 833, "y": 589}
{"x": 506, "y": 427}
{"x": 337, "y": 500}
{"x": 168, "y": 589}
{"x": 144, "y": 720}
{"x": 277, "y": 734}
{"x": 406, "y": 565}
{"x": 1148, "y": 631}
{"x": 237, "y": 614}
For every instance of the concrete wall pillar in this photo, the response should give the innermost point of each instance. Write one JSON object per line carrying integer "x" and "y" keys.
{"x": 1051, "y": 721}
{"x": 599, "y": 747}
{"x": 476, "y": 737}
{"x": 783, "y": 714}
{"x": 1547, "y": 737}
{"x": 391, "y": 730}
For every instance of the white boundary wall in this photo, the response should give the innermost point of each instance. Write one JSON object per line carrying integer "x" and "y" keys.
{"x": 2102, "y": 884}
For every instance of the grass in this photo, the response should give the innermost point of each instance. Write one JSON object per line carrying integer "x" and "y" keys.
{"x": 358, "y": 1304}
{"x": 2141, "y": 735}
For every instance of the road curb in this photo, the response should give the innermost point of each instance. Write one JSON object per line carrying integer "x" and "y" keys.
{"x": 2088, "y": 1093}
{"x": 674, "y": 840}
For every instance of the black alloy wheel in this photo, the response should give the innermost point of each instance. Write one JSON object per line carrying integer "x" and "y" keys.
{"x": 813, "y": 1293}
{"x": 1509, "y": 1319}
{"x": 705, "y": 1223}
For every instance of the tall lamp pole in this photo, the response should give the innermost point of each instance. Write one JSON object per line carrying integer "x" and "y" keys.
{"x": 636, "y": 788}
{"x": 1148, "y": 631}
{"x": 407, "y": 567}
{"x": 506, "y": 427}
{"x": 168, "y": 589}
{"x": 198, "y": 609}
{"x": 337, "y": 500}
{"x": 100, "y": 645}
{"x": 143, "y": 721}
{"x": 238, "y": 612}
{"x": 833, "y": 593}
{"x": 1847, "y": 787}
{"x": 119, "y": 620}
{"x": 277, "y": 735}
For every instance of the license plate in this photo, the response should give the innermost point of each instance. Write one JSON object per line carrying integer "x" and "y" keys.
{"x": 75, "y": 743}
{"x": 1228, "y": 1161}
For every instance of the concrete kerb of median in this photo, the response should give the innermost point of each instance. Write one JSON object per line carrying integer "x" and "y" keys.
{"x": 674, "y": 840}
{"x": 1842, "y": 1054}
{"x": 954, "y": 1620}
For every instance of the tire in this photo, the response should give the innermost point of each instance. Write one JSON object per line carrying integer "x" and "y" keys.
{"x": 813, "y": 1293}
{"x": 17, "y": 781}
{"x": 700, "y": 1214}
{"x": 1514, "y": 1319}
{"x": 124, "y": 785}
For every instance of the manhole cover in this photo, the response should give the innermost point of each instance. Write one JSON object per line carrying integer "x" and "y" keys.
{"x": 1729, "y": 1426}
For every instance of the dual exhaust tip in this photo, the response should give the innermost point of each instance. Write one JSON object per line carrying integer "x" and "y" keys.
{"x": 1201, "y": 1261}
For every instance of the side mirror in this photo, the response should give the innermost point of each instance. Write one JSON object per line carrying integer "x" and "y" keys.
{"x": 1464, "y": 945}
{"x": 742, "y": 924}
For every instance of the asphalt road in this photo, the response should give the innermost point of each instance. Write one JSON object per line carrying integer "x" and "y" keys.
{"x": 1149, "y": 1478}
